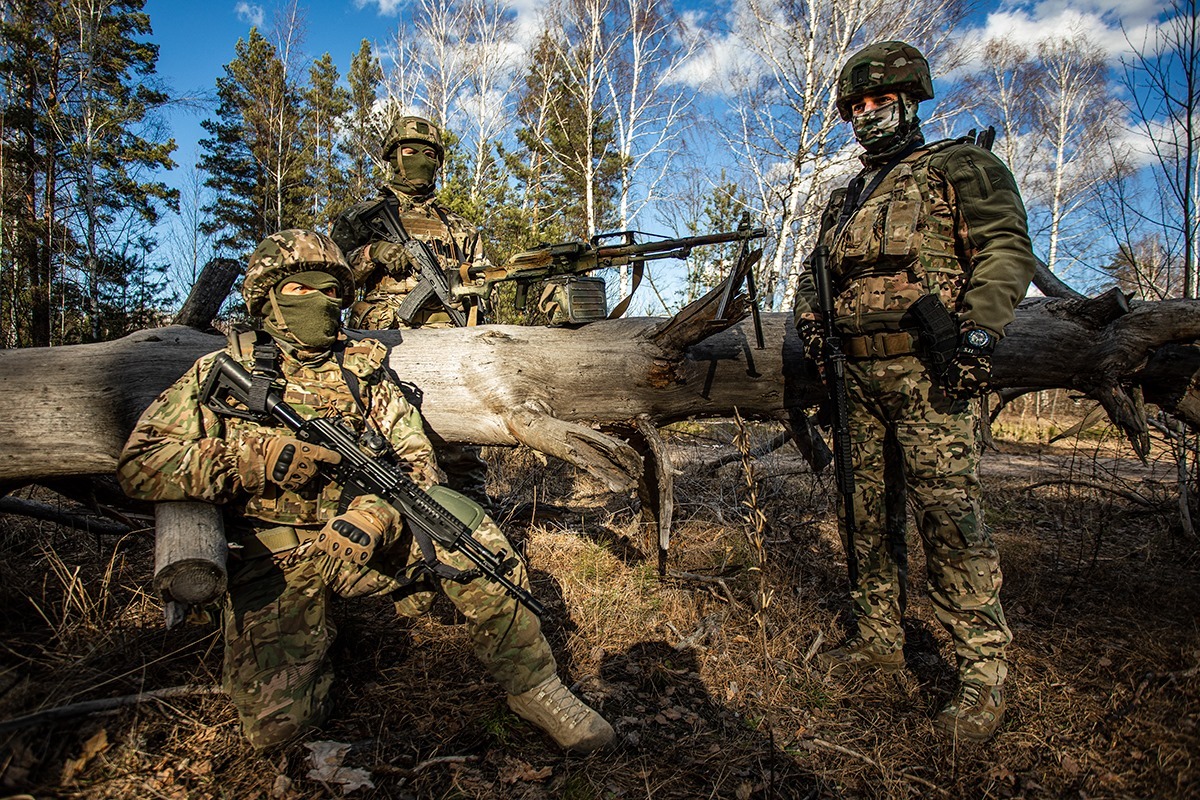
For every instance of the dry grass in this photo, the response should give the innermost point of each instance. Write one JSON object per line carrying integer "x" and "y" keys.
{"x": 1101, "y": 591}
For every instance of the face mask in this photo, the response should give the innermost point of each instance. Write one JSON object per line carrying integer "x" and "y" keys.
{"x": 875, "y": 130}
{"x": 310, "y": 321}
{"x": 415, "y": 174}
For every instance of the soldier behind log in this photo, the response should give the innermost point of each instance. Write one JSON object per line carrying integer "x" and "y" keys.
{"x": 943, "y": 219}
{"x": 291, "y": 547}
{"x": 384, "y": 272}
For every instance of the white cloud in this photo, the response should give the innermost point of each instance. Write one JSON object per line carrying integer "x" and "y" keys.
{"x": 1110, "y": 24}
{"x": 387, "y": 8}
{"x": 249, "y": 14}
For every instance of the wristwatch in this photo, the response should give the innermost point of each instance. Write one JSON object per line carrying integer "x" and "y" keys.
{"x": 979, "y": 340}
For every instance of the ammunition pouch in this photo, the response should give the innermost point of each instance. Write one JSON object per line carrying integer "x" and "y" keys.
{"x": 262, "y": 542}
{"x": 574, "y": 300}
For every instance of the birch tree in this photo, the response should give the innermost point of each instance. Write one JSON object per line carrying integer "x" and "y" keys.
{"x": 1072, "y": 108}
{"x": 650, "y": 106}
{"x": 1162, "y": 78}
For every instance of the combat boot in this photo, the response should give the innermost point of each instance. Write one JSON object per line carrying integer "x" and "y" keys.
{"x": 857, "y": 655}
{"x": 974, "y": 714}
{"x": 569, "y": 721}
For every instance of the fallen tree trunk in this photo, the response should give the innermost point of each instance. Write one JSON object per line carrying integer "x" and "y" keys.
{"x": 69, "y": 409}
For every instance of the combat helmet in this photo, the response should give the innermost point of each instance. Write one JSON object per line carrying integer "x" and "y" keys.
{"x": 883, "y": 67}
{"x": 410, "y": 128}
{"x": 288, "y": 253}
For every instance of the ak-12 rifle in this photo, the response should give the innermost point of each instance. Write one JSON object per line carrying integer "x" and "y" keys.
{"x": 839, "y": 403}
{"x": 363, "y": 470}
{"x": 621, "y": 248}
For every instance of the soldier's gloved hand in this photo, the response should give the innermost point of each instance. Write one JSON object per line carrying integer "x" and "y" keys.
{"x": 969, "y": 373}
{"x": 282, "y": 460}
{"x": 392, "y": 257}
{"x": 351, "y": 536}
{"x": 813, "y": 343}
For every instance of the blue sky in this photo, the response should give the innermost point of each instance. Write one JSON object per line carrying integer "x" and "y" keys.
{"x": 196, "y": 40}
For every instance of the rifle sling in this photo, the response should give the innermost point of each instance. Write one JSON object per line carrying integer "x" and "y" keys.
{"x": 639, "y": 269}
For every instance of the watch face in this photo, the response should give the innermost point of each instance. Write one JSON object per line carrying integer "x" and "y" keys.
{"x": 978, "y": 338}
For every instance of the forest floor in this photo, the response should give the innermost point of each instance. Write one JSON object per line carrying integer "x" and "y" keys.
{"x": 709, "y": 699}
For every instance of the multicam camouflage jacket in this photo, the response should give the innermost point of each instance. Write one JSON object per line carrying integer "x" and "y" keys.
{"x": 947, "y": 220}
{"x": 181, "y": 450}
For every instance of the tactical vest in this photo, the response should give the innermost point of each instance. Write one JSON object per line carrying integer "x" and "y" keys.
{"x": 324, "y": 390}
{"x": 897, "y": 246}
{"x": 451, "y": 238}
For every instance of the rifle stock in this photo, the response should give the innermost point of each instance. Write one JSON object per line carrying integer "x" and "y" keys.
{"x": 839, "y": 404}
{"x": 361, "y": 472}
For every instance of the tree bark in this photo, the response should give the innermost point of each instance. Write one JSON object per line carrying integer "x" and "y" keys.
{"x": 69, "y": 409}
{"x": 208, "y": 293}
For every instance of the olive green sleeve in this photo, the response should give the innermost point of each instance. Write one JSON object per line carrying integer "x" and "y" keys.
{"x": 991, "y": 218}
{"x": 805, "y": 307}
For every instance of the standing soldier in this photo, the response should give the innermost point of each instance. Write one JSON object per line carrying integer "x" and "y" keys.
{"x": 371, "y": 234}
{"x": 292, "y": 544}
{"x": 942, "y": 219}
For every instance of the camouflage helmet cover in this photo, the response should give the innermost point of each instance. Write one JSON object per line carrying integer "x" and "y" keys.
{"x": 410, "y": 128}
{"x": 288, "y": 253}
{"x": 883, "y": 66}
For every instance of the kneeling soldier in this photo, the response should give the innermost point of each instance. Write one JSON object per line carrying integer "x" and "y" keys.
{"x": 294, "y": 547}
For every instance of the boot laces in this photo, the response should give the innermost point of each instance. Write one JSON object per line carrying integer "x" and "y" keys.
{"x": 564, "y": 705}
{"x": 968, "y": 695}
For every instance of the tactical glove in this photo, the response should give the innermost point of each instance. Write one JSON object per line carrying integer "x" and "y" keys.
{"x": 813, "y": 342}
{"x": 392, "y": 257}
{"x": 351, "y": 536}
{"x": 969, "y": 373}
{"x": 283, "y": 460}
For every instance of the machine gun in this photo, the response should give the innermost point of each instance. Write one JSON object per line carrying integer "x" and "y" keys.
{"x": 363, "y": 471}
{"x": 563, "y": 262}
{"x": 839, "y": 403}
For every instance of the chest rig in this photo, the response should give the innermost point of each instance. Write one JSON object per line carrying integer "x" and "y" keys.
{"x": 340, "y": 388}
{"x": 895, "y": 246}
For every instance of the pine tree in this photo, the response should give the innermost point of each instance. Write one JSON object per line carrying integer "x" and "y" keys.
{"x": 30, "y": 227}
{"x": 78, "y": 154}
{"x": 101, "y": 118}
{"x": 361, "y": 143}
{"x": 326, "y": 105}
{"x": 254, "y": 155}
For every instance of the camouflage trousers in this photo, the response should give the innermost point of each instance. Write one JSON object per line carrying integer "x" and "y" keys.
{"x": 940, "y": 454}
{"x": 278, "y": 632}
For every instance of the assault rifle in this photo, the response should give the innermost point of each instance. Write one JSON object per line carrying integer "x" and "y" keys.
{"x": 364, "y": 470}
{"x": 563, "y": 259}
{"x": 433, "y": 282}
{"x": 839, "y": 403}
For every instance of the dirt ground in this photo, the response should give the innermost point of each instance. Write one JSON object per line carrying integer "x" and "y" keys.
{"x": 709, "y": 699}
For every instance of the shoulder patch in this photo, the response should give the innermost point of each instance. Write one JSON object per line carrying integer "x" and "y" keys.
{"x": 364, "y": 357}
